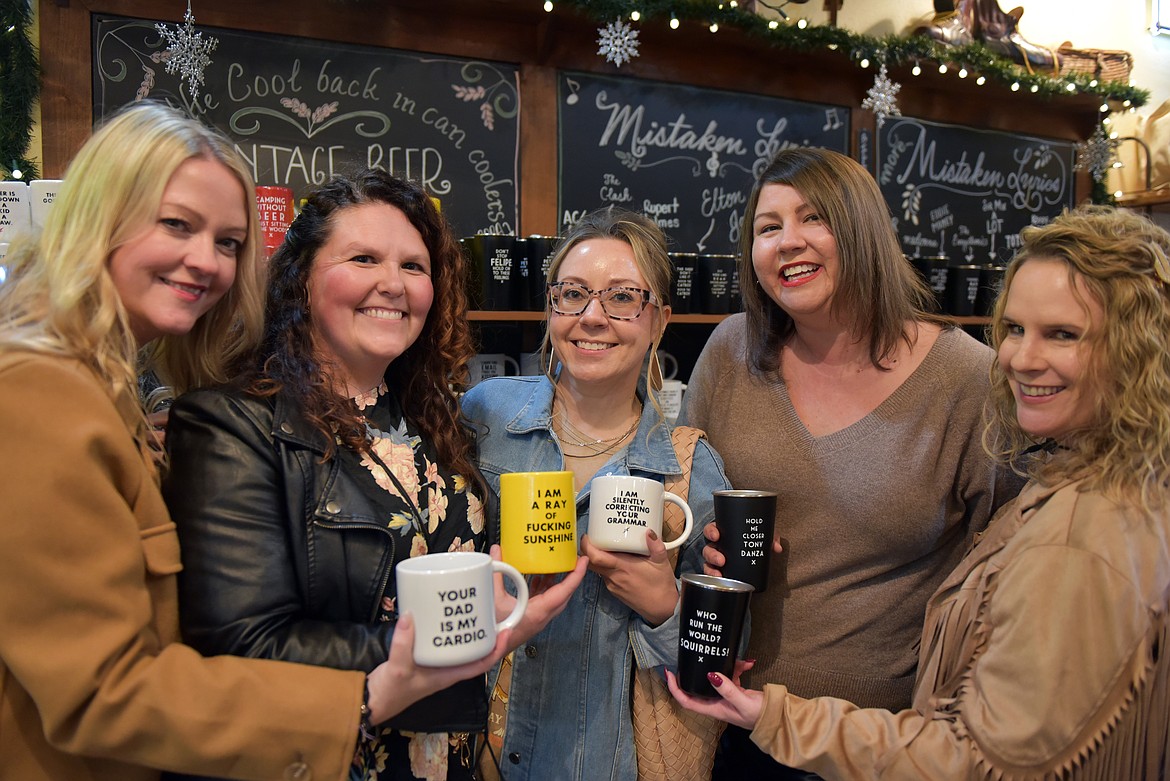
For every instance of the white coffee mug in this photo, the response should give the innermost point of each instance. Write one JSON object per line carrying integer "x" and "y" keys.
{"x": 454, "y": 606}
{"x": 623, "y": 508}
{"x": 486, "y": 365}
{"x": 531, "y": 365}
{"x": 670, "y": 398}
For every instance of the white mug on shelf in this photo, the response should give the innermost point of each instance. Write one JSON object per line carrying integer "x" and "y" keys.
{"x": 485, "y": 365}
{"x": 670, "y": 399}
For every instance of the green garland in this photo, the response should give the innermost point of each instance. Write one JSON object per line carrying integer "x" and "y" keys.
{"x": 891, "y": 49}
{"x": 20, "y": 84}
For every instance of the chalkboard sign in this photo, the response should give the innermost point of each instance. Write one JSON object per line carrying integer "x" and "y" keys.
{"x": 685, "y": 156}
{"x": 968, "y": 193}
{"x": 301, "y": 110}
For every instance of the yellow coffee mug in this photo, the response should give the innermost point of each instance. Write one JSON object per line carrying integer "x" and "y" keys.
{"x": 538, "y": 521}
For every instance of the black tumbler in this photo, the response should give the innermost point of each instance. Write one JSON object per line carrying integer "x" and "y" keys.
{"x": 710, "y": 623}
{"x": 934, "y": 272}
{"x": 684, "y": 267}
{"x": 541, "y": 250}
{"x": 495, "y": 270}
{"x": 990, "y": 282}
{"x": 714, "y": 284}
{"x": 746, "y": 521}
{"x": 962, "y": 289}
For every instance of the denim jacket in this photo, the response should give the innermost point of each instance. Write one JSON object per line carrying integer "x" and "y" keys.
{"x": 569, "y": 709}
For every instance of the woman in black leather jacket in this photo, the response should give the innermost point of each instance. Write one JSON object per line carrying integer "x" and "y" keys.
{"x": 341, "y": 453}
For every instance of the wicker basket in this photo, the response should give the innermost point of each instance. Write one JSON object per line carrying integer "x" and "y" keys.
{"x": 1101, "y": 64}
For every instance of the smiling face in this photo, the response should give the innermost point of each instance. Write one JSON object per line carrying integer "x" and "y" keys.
{"x": 1045, "y": 353}
{"x": 369, "y": 291}
{"x": 794, "y": 253}
{"x": 594, "y": 349}
{"x": 177, "y": 269}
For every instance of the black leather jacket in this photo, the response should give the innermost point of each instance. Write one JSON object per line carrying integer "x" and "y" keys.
{"x": 284, "y": 556}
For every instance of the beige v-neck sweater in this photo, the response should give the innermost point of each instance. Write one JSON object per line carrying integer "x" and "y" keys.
{"x": 872, "y": 517}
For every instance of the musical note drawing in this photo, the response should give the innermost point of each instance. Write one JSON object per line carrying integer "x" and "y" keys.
{"x": 573, "y": 89}
{"x": 832, "y": 121}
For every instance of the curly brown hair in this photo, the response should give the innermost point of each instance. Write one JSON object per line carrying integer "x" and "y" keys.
{"x": 1123, "y": 262}
{"x": 423, "y": 377}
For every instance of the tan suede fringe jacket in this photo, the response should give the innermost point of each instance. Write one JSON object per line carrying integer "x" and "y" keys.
{"x": 1044, "y": 656}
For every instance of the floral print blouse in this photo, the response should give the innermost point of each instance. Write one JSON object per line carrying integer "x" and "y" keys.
{"x": 432, "y": 510}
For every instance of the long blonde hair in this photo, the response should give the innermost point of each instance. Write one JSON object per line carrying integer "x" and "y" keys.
{"x": 1123, "y": 262}
{"x": 60, "y": 299}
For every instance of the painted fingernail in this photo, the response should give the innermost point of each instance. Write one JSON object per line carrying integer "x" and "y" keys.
{"x": 653, "y": 536}
{"x": 716, "y": 679}
{"x": 749, "y": 661}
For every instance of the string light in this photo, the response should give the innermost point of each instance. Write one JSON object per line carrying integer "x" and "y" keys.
{"x": 917, "y": 69}
{"x": 942, "y": 68}
{"x": 1015, "y": 86}
{"x": 714, "y": 27}
{"x": 773, "y": 24}
{"x": 548, "y": 6}
{"x": 803, "y": 23}
{"x": 673, "y": 22}
{"x": 635, "y": 16}
{"x": 1071, "y": 87}
{"x": 1035, "y": 88}
{"x": 981, "y": 80}
{"x": 864, "y": 62}
{"x": 962, "y": 73}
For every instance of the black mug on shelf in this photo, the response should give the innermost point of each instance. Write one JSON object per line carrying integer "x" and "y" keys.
{"x": 933, "y": 270}
{"x": 495, "y": 271}
{"x": 961, "y": 290}
{"x": 684, "y": 267}
{"x": 540, "y": 251}
{"x": 990, "y": 283}
{"x": 713, "y": 284}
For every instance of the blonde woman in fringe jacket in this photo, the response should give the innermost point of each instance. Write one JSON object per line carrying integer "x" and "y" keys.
{"x": 1044, "y": 653}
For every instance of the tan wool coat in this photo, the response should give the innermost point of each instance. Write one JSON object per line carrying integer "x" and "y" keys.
{"x": 93, "y": 682}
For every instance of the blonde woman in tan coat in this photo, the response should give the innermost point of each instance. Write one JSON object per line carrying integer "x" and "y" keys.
{"x": 152, "y": 242}
{"x": 1044, "y": 652}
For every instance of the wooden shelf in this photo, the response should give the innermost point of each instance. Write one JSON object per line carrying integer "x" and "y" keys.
{"x": 972, "y": 320}
{"x": 485, "y": 316}
{"x": 1144, "y": 198}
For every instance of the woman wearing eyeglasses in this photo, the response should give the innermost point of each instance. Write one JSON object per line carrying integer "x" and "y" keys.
{"x": 592, "y": 413}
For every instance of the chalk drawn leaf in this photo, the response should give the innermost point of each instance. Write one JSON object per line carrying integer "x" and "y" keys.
{"x": 323, "y": 112}
{"x": 488, "y": 115}
{"x": 297, "y": 107}
{"x": 146, "y": 85}
{"x": 911, "y": 203}
{"x": 628, "y": 160}
{"x": 468, "y": 94}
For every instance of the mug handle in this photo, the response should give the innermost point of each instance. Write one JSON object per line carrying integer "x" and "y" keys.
{"x": 674, "y": 498}
{"x": 513, "y": 574}
{"x": 508, "y": 360}
{"x": 666, "y": 359}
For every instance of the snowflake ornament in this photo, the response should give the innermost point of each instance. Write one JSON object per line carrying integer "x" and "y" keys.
{"x": 618, "y": 42}
{"x": 1096, "y": 154}
{"x": 187, "y": 51}
{"x": 882, "y": 97}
